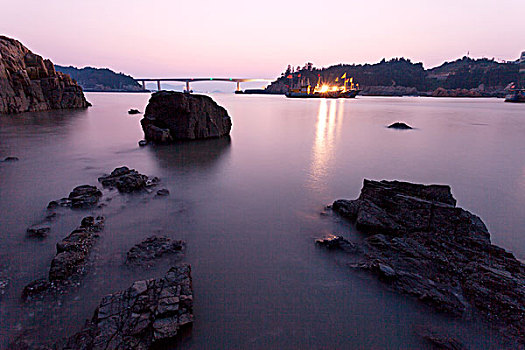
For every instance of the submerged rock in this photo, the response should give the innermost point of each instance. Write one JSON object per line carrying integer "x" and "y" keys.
{"x": 133, "y": 111}
{"x": 423, "y": 245}
{"x": 38, "y": 230}
{"x": 163, "y": 192}
{"x": 400, "y": 126}
{"x": 174, "y": 115}
{"x": 152, "y": 248}
{"x": 82, "y": 197}
{"x": 30, "y": 83}
{"x": 143, "y": 143}
{"x": 10, "y": 159}
{"x": 147, "y": 314}
{"x": 71, "y": 257}
{"x": 125, "y": 180}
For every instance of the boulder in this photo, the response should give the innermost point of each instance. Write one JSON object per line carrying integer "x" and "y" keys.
{"x": 30, "y": 83}
{"x": 174, "y": 115}
{"x": 147, "y": 314}
{"x": 146, "y": 252}
{"x": 163, "y": 192}
{"x": 38, "y": 230}
{"x": 133, "y": 111}
{"x": 126, "y": 180}
{"x": 85, "y": 196}
{"x": 422, "y": 245}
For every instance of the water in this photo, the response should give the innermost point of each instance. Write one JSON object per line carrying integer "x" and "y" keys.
{"x": 249, "y": 209}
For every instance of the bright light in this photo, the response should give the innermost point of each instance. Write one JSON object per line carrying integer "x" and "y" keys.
{"x": 324, "y": 88}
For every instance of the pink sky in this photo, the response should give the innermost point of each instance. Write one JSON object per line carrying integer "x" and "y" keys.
{"x": 244, "y": 38}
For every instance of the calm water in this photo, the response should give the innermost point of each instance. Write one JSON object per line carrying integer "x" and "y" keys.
{"x": 249, "y": 209}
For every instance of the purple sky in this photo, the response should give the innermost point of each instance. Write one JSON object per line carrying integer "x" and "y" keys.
{"x": 244, "y": 38}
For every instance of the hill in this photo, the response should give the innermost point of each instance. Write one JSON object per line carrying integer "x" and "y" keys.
{"x": 100, "y": 79}
{"x": 400, "y": 76}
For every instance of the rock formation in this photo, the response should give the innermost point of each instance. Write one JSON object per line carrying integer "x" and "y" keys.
{"x": 30, "y": 83}
{"x": 84, "y": 196}
{"x": 146, "y": 252}
{"x": 146, "y": 314}
{"x": 127, "y": 180}
{"x": 400, "y": 126}
{"x": 173, "y": 115}
{"x": 421, "y": 244}
{"x": 69, "y": 262}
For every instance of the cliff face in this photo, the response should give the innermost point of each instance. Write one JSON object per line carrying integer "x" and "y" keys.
{"x": 30, "y": 83}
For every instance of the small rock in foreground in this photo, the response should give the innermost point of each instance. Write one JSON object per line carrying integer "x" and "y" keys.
{"x": 163, "y": 192}
{"x": 143, "y": 143}
{"x": 125, "y": 180}
{"x": 10, "y": 159}
{"x": 144, "y": 253}
{"x": 82, "y": 197}
{"x": 148, "y": 313}
{"x": 38, "y": 230}
{"x": 400, "y": 126}
{"x": 133, "y": 111}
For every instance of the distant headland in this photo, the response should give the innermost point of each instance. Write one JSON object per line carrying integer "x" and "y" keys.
{"x": 101, "y": 79}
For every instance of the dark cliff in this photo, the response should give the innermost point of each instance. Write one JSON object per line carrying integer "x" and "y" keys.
{"x": 100, "y": 79}
{"x": 30, "y": 83}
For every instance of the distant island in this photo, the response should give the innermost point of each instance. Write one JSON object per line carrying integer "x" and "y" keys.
{"x": 101, "y": 79}
{"x": 465, "y": 77}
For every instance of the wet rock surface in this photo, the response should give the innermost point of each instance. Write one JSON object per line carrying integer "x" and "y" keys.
{"x": 83, "y": 197}
{"x": 146, "y": 252}
{"x": 163, "y": 192}
{"x": 149, "y": 313}
{"x": 127, "y": 180}
{"x": 70, "y": 260}
{"x": 174, "y": 115}
{"x": 30, "y": 83}
{"x": 400, "y": 126}
{"x": 421, "y": 244}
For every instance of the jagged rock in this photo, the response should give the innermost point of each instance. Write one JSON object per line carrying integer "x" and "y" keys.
{"x": 336, "y": 242}
{"x": 154, "y": 247}
{"x": 38, "y": 230}
{"x": 423, "y": 245}
{"x": 133, "y": 111}
{"x": 399, "y": 126}
{"x": 69, "y": 262}
{"x": 10, "y": 159}
{"x": 30, "y": 83}
{"x": 174, "y": 115}
{"x": 85, "y": 196}
{"x": 163, "y": 192}
{"x": 146, "y": 314}
{"x": 125, "y": 180}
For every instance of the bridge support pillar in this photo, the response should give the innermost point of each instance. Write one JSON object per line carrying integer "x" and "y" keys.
{"x": 238, "y": 86}
{"x": 158, "y": 85}
{"x": 143, "y": 85}
{"x": 188, "y": 87}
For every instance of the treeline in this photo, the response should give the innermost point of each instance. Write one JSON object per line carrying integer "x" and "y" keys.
{"x": 464, "y": 73}
{"x": 100, "y": 79}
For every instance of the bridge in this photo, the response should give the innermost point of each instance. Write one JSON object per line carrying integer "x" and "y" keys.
{"x": 192, "y": 80}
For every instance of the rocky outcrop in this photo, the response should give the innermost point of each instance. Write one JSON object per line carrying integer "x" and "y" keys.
{"x": 146, "y": 252}
{"x": 127, "y": 180}
{"x": 84, "y": 196}
{"x": 400, "y": 126}
{"x": 30, "y": 83}
{"x": 421, "y": 244}
{"x": 174, "y": 115}
{"x": 147, "y": 314}
{"x": 70, "y": 260}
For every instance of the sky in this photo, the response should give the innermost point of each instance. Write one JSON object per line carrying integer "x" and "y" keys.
{"x": 258, "y": 39}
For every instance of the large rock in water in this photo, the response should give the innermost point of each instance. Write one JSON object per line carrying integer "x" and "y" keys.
{"x": 174, "y": 115}
{"x": 30, "y": 83}
{"x": 421, "y": 244}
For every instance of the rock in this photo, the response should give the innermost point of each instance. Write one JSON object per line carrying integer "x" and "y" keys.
{"x": 10, "y": 159}
{"x": 152, "y": 248}
{"x": 174, "y": 115}
{"x": 422, "y": 245}
{"x": 143, "y": 143}
{"x": 71, "y": 257}
{"x": 30, "y": 83}
{"x": 85, "y": 196}
{"x": 163, "y": 192}
{"x": 38, "y": 230}
{"x": 125, "y": 180}
{"x": 133, "y": 111}
{"x": 335, "y": 242}
{"x": 146, "y": 314}
{"x": 442, "y": 342}
{"x": 399, "y": 126}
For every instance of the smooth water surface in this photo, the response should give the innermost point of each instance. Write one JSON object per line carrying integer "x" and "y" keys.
{"x": 249, "y": 208}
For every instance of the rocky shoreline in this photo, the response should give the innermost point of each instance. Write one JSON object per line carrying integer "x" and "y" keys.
{"x": 420, "y": 244}
{"x": 30, "y": 83}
